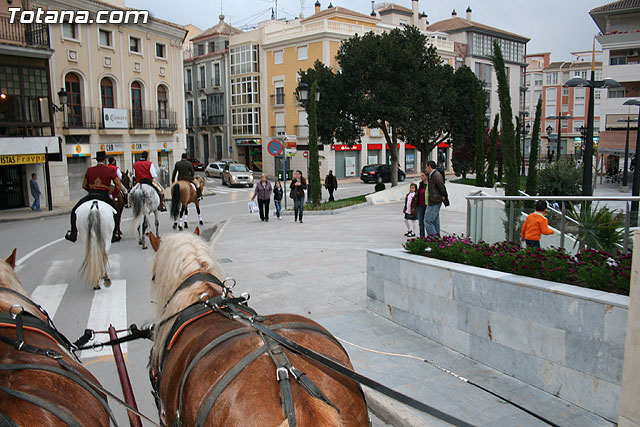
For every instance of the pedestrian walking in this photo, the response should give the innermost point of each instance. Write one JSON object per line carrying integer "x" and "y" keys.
{"x": 423, "y": 195}
{"x": 35, "y": 192}
{"x": 263, "y": 193}
{"x": 331, "y": 184}
{"x": 410, "y": 210}
{"x": 298, "y": 185}
{"x": 277, "y": 198}
{"x": 437, "y": 195}
{"x": 535, "y": 225}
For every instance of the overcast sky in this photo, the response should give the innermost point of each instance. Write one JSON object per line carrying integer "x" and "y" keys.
{"x": 556, "y": 26}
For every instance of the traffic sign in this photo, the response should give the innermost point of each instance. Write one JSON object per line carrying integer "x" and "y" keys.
{"x": 305, "y": 154}
{"x": 275, "y": 147}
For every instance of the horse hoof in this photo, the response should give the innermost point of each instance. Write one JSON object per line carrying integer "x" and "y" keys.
{"x": 175, "y": 226}
{"x": 201, "y": 222}
{"x": 186, "y": 225}
{"x": 180, "y": 228}
{"x": 96, "y": 287}
{"x": 144, "y": 246}
{"x": 140, "y": 243}
{"x": 107, "y": 282}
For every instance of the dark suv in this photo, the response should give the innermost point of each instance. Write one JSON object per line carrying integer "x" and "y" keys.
{"x": 380, "y": 173}
{"x": 197, "y": 164}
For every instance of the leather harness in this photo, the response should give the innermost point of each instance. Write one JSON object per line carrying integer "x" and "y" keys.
{"x": 21, "y": 320}
{"x": 234, "y": 309}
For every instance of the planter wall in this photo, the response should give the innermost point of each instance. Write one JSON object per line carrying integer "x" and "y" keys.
{"x": 565, "y": 340}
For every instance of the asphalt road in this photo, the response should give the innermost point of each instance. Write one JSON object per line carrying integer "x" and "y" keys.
{"x": 48, "y": 268}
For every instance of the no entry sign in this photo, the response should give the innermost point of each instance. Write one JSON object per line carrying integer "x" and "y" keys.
{"x": 305, "y": 154}
{"x": 275, "y": 147}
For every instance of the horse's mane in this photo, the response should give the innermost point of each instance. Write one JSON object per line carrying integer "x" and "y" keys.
{"x": 179, "y": 255}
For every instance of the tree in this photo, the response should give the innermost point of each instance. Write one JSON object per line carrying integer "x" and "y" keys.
{"x": 518, "y": 140}
{"x": 462, "y": 160}
{"x": 532, "y": 176}
{"x": 480, "y": 139}
{"x": 314, "y": 165}
{"x": 492, "y": 152}
{"x": 509, "y": 144}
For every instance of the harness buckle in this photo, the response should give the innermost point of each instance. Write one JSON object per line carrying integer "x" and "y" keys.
{"x": 53, "y": 354}
{"x": 15, "y": 310}
{"x": 282, "y": 373}
{"x": 19, "y": 345}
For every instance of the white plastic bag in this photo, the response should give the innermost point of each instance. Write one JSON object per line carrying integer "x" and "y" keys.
{"x": 253, "y": 206}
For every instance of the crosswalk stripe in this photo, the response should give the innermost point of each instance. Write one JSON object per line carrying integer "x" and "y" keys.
{"x": 109, "y": 307}
{"x": 49, "y": 296}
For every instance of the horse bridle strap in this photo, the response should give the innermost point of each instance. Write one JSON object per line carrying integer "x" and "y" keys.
{"x": 59, "y": 412}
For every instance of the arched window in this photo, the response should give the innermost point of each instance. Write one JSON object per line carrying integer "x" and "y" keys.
{"x": 74, "y": 100}
{"x": 162, "y": 102}
{"x": 136, "y": 104}
{"x": 106, "y": 93}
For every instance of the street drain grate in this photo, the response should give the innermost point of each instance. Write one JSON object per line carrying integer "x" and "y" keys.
{"x": 225, "y": 261}
{"x": 279, "y": 275}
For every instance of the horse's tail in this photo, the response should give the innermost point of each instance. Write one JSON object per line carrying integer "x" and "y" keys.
{"x": 136, "y": 198}
{"x": 175, "y": 201}
{"x": 94, "y": 266}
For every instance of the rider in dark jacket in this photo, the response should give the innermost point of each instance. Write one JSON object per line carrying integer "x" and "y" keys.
{"x": 185, "y": 171}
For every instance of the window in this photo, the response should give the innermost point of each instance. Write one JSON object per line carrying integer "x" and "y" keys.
{"x": 74, "y": 99}
{"x": 279, "y": 98}
{"x": 578, "y": 110}
{"x": 278, "y": 57}
{"x": 162, "y": 102}
{"x": 136, "y": 104}
{"x": 245, "y": 121}
{"x": 618, "y": 60}
{"x": 105, "y": 38}
{"x": 188, "y": 80}
{"x": 565, "y": 91}
{"x": 483, "y": 71}
{"x": 216, "y": 108}
{"x": 26, "y": 92}
{"x": 577, "y": 124}
{"x": 212, "y": 47}
{"x": 244, "y": 59}
{"x": 135, "y": 45}
{"x": 161, "y": 50}
{"x": 552, "y": 78}
{"x": 106, "y": 93}
{"x": 578, "y": 94}
{"x": 189, "y": 113}
{"x": 597, "y": 94}
{"x": 70, "y": 31}
{"x": 303, "y": 126}
{"x": 303, "y": 53}
{"x": 203, "y": 109}
{"x": 616, "y": 92}
{"x": 280, "y": 128}
{"x": 583, "y": 74}
{"x": 201, "y": 78}
{"x": 216, "y": 74}
{"x": 482, "y": 45}
{"x": 245, "y": 90}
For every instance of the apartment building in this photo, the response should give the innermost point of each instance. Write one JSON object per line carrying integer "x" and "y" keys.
{"x": 534, "y": 87}
{"x": 618, "y": 23}
{"x": 207, "y": 93}
{"x": 27, "y": 130}
{"x": 569, "y": 101}
{"x": 124, "y": 91}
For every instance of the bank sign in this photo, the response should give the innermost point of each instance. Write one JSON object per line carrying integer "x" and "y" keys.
{"x": 115, "y": 118}
{"x": 22, "y": 159}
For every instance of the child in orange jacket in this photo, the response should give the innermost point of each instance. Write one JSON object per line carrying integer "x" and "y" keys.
{"x": 535, "y": 225}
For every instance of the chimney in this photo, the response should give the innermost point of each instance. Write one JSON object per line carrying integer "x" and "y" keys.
{"x": 415, "y": 14}
{"x": 469, "y": 13}
{"x": 373, "y": 8}
{"x": 454, "y": 13}
{"x": 317, "y": 6}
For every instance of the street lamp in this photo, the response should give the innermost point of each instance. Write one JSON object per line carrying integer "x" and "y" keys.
{"x": 309, "y": 96}
{"x": 587, "y": 154}
{"x": 560, "y": 118}
{"x": 626, "y": 149}
{"x": 635, "y": 190}
{"x": 525, "y": 131}
{"x": 62, "y": 96}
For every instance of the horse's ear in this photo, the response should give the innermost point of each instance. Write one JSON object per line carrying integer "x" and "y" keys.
{"x": 197, "y": 231}
{"x": 155, "y": 241}
{"x": 12, "y": 258}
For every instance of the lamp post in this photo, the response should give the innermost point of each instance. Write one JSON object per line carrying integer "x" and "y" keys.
{"x": 628, "y": 120}
{"x": 525, "y": 132}
{"x": 635, "y": 190}
{"x": 587, "y": 154}
{"x": 62, "y": 96}
{"x": 560, "y": 118}
{"x": 310, "y": 96}
{"x": 549, "y": 132}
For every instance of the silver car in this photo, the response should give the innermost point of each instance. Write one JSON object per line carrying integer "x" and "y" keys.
{"x": 237, "y": 174}
{"x": 215, "y": 169}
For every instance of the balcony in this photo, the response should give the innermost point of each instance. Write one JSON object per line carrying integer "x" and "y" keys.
{"x": 76, "y": 117}
{"x": 278, "y": 130}
{"x": 167, "y": 121}
{"x": 302, "y": 130}
{"x": 216, "y": 84}
{"x": 142, "y": 119}
{"x": 27, "y": 35}
{"x": 189, "y": 122}
{"x": 277, "y": 99}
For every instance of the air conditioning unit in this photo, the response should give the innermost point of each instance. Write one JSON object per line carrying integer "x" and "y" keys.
{"x": 164, "y": 123}
{"x": 633, "y": 52}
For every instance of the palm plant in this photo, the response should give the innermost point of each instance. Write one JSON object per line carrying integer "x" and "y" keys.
{"x": 599, "y": 228}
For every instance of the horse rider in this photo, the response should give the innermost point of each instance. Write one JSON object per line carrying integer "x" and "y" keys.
{"x": 145, "y": 172}
{"x": 184, "y": 170}
{"x": 111, "y": 162}
{"x": 97, "y": 181}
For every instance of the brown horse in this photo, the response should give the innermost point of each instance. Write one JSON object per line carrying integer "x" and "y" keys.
{"x": 42, "y": 382}
{"x": 183, "y": 193}
{"x": 245, "y": 397}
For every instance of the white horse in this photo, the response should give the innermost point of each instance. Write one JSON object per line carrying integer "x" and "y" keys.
{"x": 144, "y": 200}
{"x": 95, "y": 228}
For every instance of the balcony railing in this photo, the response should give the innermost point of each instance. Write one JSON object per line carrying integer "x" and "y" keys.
{"x": 216, "y": 84}
{"x": 166, "y": 121}
{"x": 76, "y": 117}
{"x": 189, "y": 121}
{"x": 32, "y": 35}
{"x": 278, "y": 130}
{"x": 277, "y": 100}
{"x": 302, "y": 130}
{"x": 142, "y": 119}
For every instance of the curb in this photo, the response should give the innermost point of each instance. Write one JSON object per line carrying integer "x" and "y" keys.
{"x": 393, "y": 412}
{"x": 329, "y": 211}
{"x": 24, "y": 216}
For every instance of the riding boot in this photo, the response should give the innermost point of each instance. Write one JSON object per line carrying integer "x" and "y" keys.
{"x": 72, "y": 235}
{"x": 162, "y": 207}
{"x": 199, "y": 193}
{"x": 116, "y": 230}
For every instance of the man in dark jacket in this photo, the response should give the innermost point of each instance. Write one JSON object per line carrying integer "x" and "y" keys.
{"x": 437, "y": 194}
{"x": 185, "y": 171}
{"x": 331, "y": 184}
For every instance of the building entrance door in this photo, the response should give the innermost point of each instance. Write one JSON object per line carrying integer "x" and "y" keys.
{"x": 11, "y": 194}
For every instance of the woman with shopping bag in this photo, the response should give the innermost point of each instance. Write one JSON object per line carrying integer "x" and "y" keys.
{"x": 263, "y": 193}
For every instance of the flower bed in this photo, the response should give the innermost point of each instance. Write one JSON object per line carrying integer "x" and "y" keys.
{"x": 590, "y": 268}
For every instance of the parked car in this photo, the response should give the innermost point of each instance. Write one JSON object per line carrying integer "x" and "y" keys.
{"x": 380, "y": 173}
{"x": 237, "y": 174}
{"x": 197, "y": 164}
{"x": 215, "y": 169}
